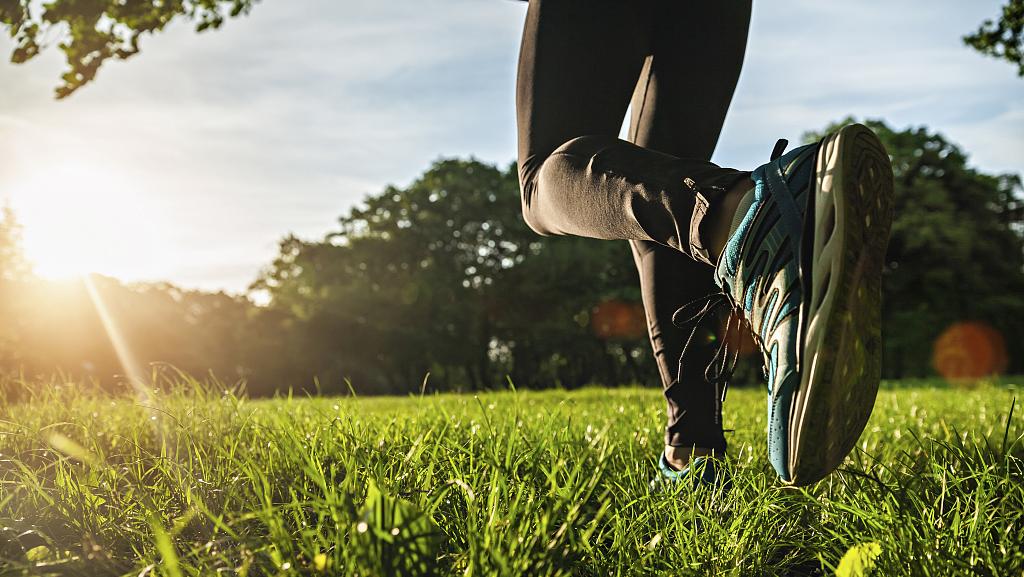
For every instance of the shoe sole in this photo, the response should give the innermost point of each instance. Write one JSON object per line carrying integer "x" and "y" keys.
{"x": 853, "y": 205}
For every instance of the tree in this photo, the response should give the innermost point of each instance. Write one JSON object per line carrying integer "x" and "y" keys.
{"x": 90, "y": 32}
{"x": 15, "y": 270}
{"x": 956, "y": 252}
{"x": 13, "y": 264}
{"x": 445, "y": 277}
{"x": 1003, "y": 39}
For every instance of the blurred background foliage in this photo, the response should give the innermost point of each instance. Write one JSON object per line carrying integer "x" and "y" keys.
{"x": 443, "y": 277}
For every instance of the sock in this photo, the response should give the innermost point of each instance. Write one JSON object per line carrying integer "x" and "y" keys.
{"x": 666, "y": 465}
{"x": 730, "y": 252}
{"x": 741, "y": 210}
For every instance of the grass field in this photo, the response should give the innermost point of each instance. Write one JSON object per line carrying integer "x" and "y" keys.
{"x": 509, "y": 483}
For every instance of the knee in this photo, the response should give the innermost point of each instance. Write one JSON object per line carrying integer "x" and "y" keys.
{"x": 584, "y": 146}
{"x": 532, "y": 217}
{"x": 540, "y": 194}
{"x": 542, "y": 180}
{"x": 538, "y": 184}
{"x": 529, "y": 170}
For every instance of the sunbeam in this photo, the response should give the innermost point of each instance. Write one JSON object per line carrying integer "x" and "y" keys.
{"x": 129, "y": 365}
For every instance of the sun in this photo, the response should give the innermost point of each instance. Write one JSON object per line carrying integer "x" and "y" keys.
{"x": 80, "y": 218}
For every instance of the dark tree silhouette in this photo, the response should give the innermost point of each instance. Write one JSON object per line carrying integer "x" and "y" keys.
{"x": 443, "y": 277}
{"x": 956, "y": 252}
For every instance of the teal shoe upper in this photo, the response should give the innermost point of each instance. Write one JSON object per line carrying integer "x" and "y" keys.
{"x": 702, "y": 471}
{"x": 759, "y": 270}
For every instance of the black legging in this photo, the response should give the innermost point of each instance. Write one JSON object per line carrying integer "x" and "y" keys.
{"x": 580, "y": 64}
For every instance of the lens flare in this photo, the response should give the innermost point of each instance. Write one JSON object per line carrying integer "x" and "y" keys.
{"x": 968, "y": 351}
{"x": 616, "y": 319}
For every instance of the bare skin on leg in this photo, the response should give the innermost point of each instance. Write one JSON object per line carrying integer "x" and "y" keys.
{"x": 720, "y": 217}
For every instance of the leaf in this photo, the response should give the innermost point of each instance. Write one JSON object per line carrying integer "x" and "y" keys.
{"x": 859, "y": 561}
{"x": 320, "y": 562}
{"x": 71, "y": 448}
{"x": 89, "y": 33}
{"x": 1003, "y": 39}
{"x": 165, "y": 547}
{"x": 394, "y": 536}
{"x": 38, "y": 553}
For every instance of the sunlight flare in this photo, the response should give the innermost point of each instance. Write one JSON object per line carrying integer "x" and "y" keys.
{"x": 82, "y": 218}
{"x": 130, "y": 366}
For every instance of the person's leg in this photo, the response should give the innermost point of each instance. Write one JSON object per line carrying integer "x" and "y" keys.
{"x": 817, "y": 213}
{"x": 578, "y": 64}
{"x": 678, "y": 108}
{"x": 578, "y": 67}
{"x": 669, "y": 280}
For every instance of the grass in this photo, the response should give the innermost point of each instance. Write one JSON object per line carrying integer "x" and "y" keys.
{"x": 197, "y": 481}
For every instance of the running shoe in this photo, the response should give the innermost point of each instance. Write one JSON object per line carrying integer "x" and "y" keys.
{"x": 701, "y": 472}
{"x": 803, "y": 268}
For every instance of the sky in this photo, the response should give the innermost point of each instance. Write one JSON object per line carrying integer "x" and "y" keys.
{"x": 190, "y": 161}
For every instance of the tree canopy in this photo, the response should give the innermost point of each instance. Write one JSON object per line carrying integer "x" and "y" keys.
{"x": 89, "y": 32}
{"x": 1004, "y": 37}
{"x": 442, "y": 277}
{"x": 956, "y": 253}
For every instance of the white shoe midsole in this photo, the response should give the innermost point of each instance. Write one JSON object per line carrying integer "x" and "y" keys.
{"x": 827, "y": 261}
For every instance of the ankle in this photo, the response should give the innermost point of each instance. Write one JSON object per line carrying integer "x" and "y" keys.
{"x": 680, "y": 457}
{"x": 720, "y": 216}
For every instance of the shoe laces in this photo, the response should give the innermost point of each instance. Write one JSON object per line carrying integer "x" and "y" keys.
{"x": 695, "y": 313}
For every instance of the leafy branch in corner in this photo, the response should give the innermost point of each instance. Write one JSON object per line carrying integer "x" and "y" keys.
{"x": 91, "y": 31}
{"x": 1003, "y": 39}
